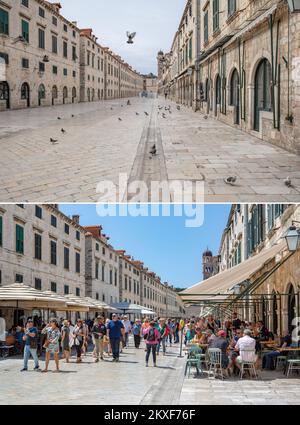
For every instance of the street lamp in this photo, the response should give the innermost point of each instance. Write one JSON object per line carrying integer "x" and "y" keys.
{"x": 294, "y": 5}
{"x": 292, "y": 238}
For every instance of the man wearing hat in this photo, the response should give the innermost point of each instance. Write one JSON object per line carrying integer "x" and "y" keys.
{"x": 221, "y": 342}
{"x": 30, "y": 348}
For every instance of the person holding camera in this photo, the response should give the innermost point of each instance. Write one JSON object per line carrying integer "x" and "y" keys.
{"x": 30, "y": 348}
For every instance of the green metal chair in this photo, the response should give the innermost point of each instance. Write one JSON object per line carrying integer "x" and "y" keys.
{"x": 293, "y": 364}
{"x": 281, "y": 362}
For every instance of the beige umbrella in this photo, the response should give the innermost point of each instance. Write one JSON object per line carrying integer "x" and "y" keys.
{"x": 23, "y": 296}
{"x": 70, "y": 305}
{"x": 98, "y": 305}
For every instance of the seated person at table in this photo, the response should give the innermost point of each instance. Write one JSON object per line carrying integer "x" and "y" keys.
{"x": 268, "y": 361}
{"x": 233, "y": 354}
{"x": 199, "y": 338}
{"x": 246, "y": 343}
{"x": 210, "y": 336}
{"x": 221, "y": 342}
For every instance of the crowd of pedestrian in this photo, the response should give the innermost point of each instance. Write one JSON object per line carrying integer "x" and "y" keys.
{"x": 107, "y": 337}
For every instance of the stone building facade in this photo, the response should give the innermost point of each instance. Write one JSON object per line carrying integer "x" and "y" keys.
{"x": 46, "y": 60}
{"x": 250, "y": 70}
{"x": 179, "y": 67}
{"x": 251, "y": 229}
{"x": 102, "y": 267}
{"x": 92, "y": 67}
{"x": 42, "y": 248}
{"x": 39, "y": 55}
{"x": 247, "y": 68}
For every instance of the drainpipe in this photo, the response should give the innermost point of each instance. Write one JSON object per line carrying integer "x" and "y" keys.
{"x": 198, "y": 45}
{"x": 272, "y": 66}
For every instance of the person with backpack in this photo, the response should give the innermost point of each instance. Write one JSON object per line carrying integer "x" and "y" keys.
{"x": 152, "y": 337}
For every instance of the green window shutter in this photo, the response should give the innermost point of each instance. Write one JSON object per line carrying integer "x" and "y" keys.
{"x": 1, "y": 230}
{"x": 215, "y": 15}
{"x": 19, "y": 239}
{"x": 4, "y": 22}
{"x": 25, "y": 30}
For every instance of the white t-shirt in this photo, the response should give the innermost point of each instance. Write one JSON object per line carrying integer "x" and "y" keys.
{"x": 246, "y": 343}
{"x": 127, "y": 325}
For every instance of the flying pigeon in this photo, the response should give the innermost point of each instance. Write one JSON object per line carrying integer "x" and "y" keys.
{"x": 128, "y": 103}
{"x": 163, "y": 115}
{"x": 137, "y": 113}
{"x": 153, "y": 151}
{"x": 288, "y": 182}
{"x": 111, "y": 109}
{"x": 58, "y": 118}
{"x": 205, "y": 117}
{"x": 53, "y": 141}
{"x": 130, "y": 36}
{"x": 63, "y": 131}
{"x": 146, "y": 113}
{"x": 230, "y": 180}
{"x": 178, "y": 108}
{"x": 120, "y": 119}
{"x": 72, "y": 116}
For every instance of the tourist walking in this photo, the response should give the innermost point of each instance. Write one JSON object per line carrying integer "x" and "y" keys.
{"x": 30, "y": 349}
{"x": 115, "y": 332}
{"x": 65, "y": 340}
{"x": 152, "y": 337}
{"x": 98, "y": 332}
{"x": 127, "y": 328}
{"x": 136, "y": 330}
{"x": 79, "y": 335}
{"x": 164, "y": 332}
{"x": 52, "y": 343}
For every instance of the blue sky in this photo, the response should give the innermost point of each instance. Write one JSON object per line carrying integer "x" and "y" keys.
{"x": 155, "y": 22}
{"x": 164, "y": 244}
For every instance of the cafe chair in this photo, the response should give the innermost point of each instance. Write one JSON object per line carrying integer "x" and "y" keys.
{"x": 293, "y": 364}
{"x": 215, "y": 362}
{"x": 193, "y": 360}
{"x": 281, "y": 362}
{"x": 247, "y": 363}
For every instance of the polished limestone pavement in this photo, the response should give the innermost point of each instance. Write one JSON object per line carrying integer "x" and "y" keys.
{"x": 126, "y": 382}
{"x": 130, "y": 382}
{"x": 106, "y": 139}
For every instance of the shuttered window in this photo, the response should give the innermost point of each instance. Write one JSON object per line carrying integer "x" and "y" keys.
{"x": 4, "y": 22}
{"x": 19, "y": 239}
{"x": 215, "y": 15}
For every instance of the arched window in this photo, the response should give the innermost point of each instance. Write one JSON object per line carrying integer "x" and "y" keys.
{"x": 206, "y": 97}
{"x": 274, "y": 314}
{"x": 74, "y": 94}
{"x": 291, "y": 307}
{"x": 65, "y": 92}
{"x": 263, "y": 90}
{"x": 99, "y": 94}
{"x": 234, "y": 85}
{"x": 54, "y": 92}
{"x": 4, "y": 92}
{"x": 25, "y": 91}
{"x": 235, "y": 95}
{"x": 218, "y": 90}
{"x": 41, "y": 93}
{"x": 89, "y": 95}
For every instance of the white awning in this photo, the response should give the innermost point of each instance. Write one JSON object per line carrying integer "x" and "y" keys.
{"x": 221, "y": 285}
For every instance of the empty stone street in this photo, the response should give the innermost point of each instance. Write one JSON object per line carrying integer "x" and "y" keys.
{"x": 105, "y": 139}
